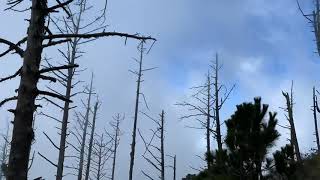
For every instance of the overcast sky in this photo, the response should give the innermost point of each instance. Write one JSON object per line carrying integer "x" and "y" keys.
{"x": 263, "y": 45}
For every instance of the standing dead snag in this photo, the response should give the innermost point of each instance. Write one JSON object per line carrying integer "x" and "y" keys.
{"x": 202, "y": 108}
{"x": 115, "y": 137}
{"x": 39, "y": 37}
{"x": 102, "y": 152}
{"x": 152, "y": 151}
{"x": 139, "y": 75}
{"x": 174, "y": 166}
{"x": 208, "y": 103}
{"x": 289, "y": 110}
{"x": 84, "y": 132}
{"x": 93, "y": 126}
{"x": 219, "y": 101}
{"x": 315, "y": 109}
{"x": 314, "y": 19}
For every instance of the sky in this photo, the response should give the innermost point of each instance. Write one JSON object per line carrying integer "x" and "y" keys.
{"x": 263, "y": 45}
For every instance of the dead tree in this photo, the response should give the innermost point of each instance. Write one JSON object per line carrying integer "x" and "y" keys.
{"x": 155, "y": 153}
{"x": 314, "y": 19}
{"x": 84, "y": 132}
{"x": 115, "y": 137}
{"x": 4, "y": 154}
{"x": 291, "y": 127}
{"x": 174, "y": 166}
{"x": 139, "y": 74}
{"x": 201, "y": 110}
{"x": 39, "y": 37}
{"x": 93, "y": 126}
{"x": 219, "y": 100}
{"x": 102, "y": 152}
{"x": 316, "y": 109}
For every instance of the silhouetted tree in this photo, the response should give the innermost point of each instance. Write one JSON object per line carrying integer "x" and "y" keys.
{"x": 102, "y": 152}
{"x": 316, "y": 109}
{"x": 155, "y": 153}
{"x": 39, "y": 37}
{"x": 249, "y": 137}
{"x": 219, "y": 100}
{"x": 139, "y": 74}
{"x": 291, "y": 127}
{"x": 285, "y": 163}
{"x": 202, "y": 111}
{"x": 93, "y": 126}
{"x": 115, "y": 137}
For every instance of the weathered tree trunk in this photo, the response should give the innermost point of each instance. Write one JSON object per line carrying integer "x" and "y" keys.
{"x": 208, "y": 133}
{"x": 23, "y": 134}
{"x": 134, "y": 131}
{"x": 294, "y": 140}
{"x": 115, "y": 148}
{"x": 91, "y": 140}
{"x": 217, "y": 106}
{"x": 315, "y": 106}
{"x": 175, "y": 167}
{"x": 64, "y": 125}
{"x": 162, "y": 147}
{"x": 100, "y": 160}
{"x": 84, "y": 135}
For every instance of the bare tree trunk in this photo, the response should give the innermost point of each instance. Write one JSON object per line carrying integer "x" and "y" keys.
{"x": 91, "y": 140}
{"x": 64, "y": 125}
{"x": 208, "y": 126}
{"x": 174, "y": 167}
{"x": 217, "y": 106}
{"x": 115, "y": 148}
{"x": 162, "y": 147}
{"x": 84, "y": 135}
{"x": 134, "y": 131}
{"x": 294, "y": 140}
{"x": 23, "y": 134}
{"x": 315, "y": 107}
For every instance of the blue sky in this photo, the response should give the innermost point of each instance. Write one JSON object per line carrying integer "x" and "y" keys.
{"x": 263, "y": 45}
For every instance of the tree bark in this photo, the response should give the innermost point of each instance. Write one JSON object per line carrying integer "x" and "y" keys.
{"x": 85, "y": 132}
{"x": 23, "y": 133}
{"x": 91, "y": 140}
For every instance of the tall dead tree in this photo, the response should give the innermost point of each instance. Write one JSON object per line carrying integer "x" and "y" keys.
{"x": 84, "y": 132}
{"x": 316, "y": 109}
{"x": 115, "y": 137}
{"x": 219, "y": 99}
{"x": 74, "y": 25}
{"x": 39, "y": 36}
{"x": 209, "y": 99}
{"x": 314, "y": 19}
{"x": 201, "y": 110}
{"x": 93, "y": 126}
{"x": 139, "y": 74}
{"x": 291, "y": 127}
{"x": 174, "y": 166}
{"x": 155, "y": 153}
